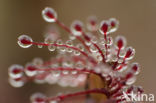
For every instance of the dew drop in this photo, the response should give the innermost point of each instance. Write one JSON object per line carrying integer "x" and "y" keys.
{"x": 99, "y": 58}
{"x": 71, "y": 37}
{"x": 76, "y": 53}
{"x": 38, "y": 98}
{"x": 56, "y": 73}
{"x": 49, "y": 14}
{"x": 69, "y": 50}
{"x": 51, "y": 48}
{"x": 88, "y": 43}
{"x": 62, "y": 49}
{"x": 51, "y": 79}
{"x": 67, "y": 64}
{"x": 120, "y": 42}
{"x": 93, "y": 49}
{"x": 16, "y": 82}
{"x": 63, "y": 82}
{"x": 104, "y": 27}
{"x": 24, "y": 41}
{"x": 69, "y": 43}
{"x": 37, "y": 61}
{"x": 94, "y": 39}
{"x": 79, "y": 65}
{"x": 30, "y": 69}
{"x": 76, "y": 28}
{"x": 65, "y": 72}
{"x": 92, "y": 23}
{"x": 130, "y": 81}
{"x": 114, "y": 58}
{"x": 74, "y": 72}
{"x": 15, "y": 71}
{"x": 59, "y": 42}
{"x": 130, "y": 52}
{"x": 39, "y": 46}
{"x": 135, "y": 68}
{"x": 120, "y": 60}
{"x": 39, "y": 81}
{"x": 48, "y": 40}
{"x": 113, "y": 25}
{"x": 80, "y": 46}
{"x": 53, "y": 101}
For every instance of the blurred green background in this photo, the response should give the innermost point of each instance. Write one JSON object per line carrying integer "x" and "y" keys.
{"x": 137, "y": 24}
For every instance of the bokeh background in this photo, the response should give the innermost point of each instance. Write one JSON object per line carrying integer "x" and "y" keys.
{"x": 137, "y": 24}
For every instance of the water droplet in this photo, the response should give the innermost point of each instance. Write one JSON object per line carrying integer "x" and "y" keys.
{"x": 97, "y": 70}
{"x": 56, "y": 73}
{"x": 71, "y": 37}
{"x": 37, "y": 61}
{"x": 39, "y": 46}
{"x": 48, "y": 40}
{"x": 39, "y": 81}
{"x": 131, "y": 80}
{"x": 94, "y": 39}
{"x": 92, "y": 23}
{"x": 16, "y": 82}
{"x": 104, "y": 27}
{"x": 67, "y": 64}
{"x": 88, "y": 43}
{"x": 24, "y": 41}
{"x": 76, "y": 53}
{"x": 59, "y": 42}
{"x": 69, "y": 43}
{"x": 113, "y": 24}
{"x": 120, "y": 60}
{"x": 93, "y": 49}
{"x": 51, "y": 48}
{"x": 65, "y": 72}
{"x": 74, "y": 72}
{"x": 30, "y": 69}
{"x": 114, "y": 58}
{"x": 80, "y": 46}
{"x": 120, "y": 42}
{"x": 63, "y": 82}
{"x": 53, "y": 101}
{"x": 51, "y": 79}
{"x": 76, "y": 28}
{"x": 102, "y": 41}
{"x": 16, "y": 71}
{"x": 69, "y": 50}
{"x": 79, "y": 65}
{"x": 135, "y": 68}
{"x": 49, "y": 14}
{"x": 62, "y": 49}
{"x": 99, "y": 58}
{"x": 38, "y": 98}
{"x": 130, "y": 52}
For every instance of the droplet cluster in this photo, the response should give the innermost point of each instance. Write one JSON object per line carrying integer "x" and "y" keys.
{"x": 85, "y": 51}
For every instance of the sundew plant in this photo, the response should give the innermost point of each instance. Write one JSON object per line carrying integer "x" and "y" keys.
{"x": 89, "y": 58}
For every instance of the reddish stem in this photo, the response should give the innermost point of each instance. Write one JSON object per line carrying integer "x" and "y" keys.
{"x": 63, "y": 45}
{"x": 69, "y": 31}
{"x": 100, "y": 51}
{"x": 118, "y": 57}
{"x": 106, "y": 46}
{"x": 122, "y": 64}
{"x": 84, "y": 70}
{"x": 62, "y": 97}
